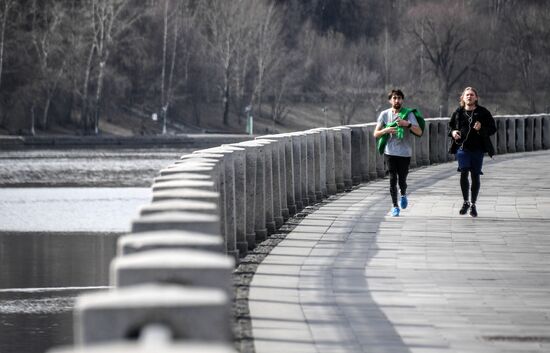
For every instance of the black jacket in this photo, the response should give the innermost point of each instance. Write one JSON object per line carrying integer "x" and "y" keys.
{"x": 470, "y": 138}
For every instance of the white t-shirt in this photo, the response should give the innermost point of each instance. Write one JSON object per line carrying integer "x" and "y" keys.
{"x": 395, "y": 146}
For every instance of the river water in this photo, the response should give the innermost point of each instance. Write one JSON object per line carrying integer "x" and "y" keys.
{"x": 61, "y": 213}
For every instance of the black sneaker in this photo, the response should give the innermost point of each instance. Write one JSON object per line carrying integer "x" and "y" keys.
{"x": 465, "y": 207}
{"x": 473, "y": 211}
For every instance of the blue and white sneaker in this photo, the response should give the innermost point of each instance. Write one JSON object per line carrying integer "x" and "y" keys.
{"x": 395, "y": 212}
{"x": 403, "y": 202}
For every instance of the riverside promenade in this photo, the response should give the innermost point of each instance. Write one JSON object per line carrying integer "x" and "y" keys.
{"x": 351, "y": 278}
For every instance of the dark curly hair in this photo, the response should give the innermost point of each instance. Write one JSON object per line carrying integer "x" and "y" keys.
{"x": 396, "y": 92}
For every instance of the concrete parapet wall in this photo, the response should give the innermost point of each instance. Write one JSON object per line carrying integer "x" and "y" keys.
{"x": 212, "y": 206}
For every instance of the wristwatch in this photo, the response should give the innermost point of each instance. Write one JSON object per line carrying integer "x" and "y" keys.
{"x": 410, "y": 125}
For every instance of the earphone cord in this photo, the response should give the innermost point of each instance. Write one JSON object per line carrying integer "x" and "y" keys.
{"x": 469, "y": 130}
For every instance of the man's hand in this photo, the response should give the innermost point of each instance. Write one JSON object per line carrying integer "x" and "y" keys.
{"x": 390, "y": 130}
{"x": 477, "y": 125}
{"x": 402, "y": 123}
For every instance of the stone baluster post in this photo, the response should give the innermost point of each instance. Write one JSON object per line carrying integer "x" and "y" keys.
{"x": 338, "y": 159}
{"x": 297, "y": 169}
{"x": 510, "y": 134}
{"x": 529, "y": 133}
{"x": 268, "y": 191}
{"x": 520, "y": 134}
{"x": 330, "y": 162}
{"x": 546, "y": 132}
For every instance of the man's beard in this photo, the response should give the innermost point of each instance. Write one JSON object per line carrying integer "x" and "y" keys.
{"x": 396, "y": 106}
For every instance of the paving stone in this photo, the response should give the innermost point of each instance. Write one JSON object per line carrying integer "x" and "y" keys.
{"x": 427, "y": 281}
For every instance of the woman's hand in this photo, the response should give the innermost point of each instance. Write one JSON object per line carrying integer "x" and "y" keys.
{"x": 456, "y": 135}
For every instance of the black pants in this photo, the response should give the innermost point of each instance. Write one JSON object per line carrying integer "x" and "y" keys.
{"x": 465, "y": 185}
{"x": 398, "y": 169}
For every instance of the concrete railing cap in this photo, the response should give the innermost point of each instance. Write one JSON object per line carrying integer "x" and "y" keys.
{"x": 182, "y": 183}
{"x": 174, "y": 258}
{"x": 202, "y": 153}
{"x": 152, "y": 295}
{"x": 177, "y": 217}
{"x": 178, "y": 239}
{"x": 186, "y": 193}
{"x": 182, "y": 176}
{"x": 251, "y": 143}
{"x": 138, "y": 347}
{"x": 188, "y": 167}
{"x": 178, "y": 205}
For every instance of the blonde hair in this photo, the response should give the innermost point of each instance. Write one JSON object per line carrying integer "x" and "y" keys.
{"x": 461, "y": 99}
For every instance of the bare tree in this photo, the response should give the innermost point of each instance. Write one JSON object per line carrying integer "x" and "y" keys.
{"x": 447, "y": 45}
{"x": 46, "y": 36}
{"x": 110, "y": 19}
{"x": 223, "y": 32}
{"x": 270, "y": 50}
{"x": 346, "y": 78}
{"x": 528, "y": 36}
{"x": 166, "y": 87}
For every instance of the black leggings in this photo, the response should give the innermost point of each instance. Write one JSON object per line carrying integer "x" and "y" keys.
{"x": 398, "y": 169}
{"x": 465, "y": 185}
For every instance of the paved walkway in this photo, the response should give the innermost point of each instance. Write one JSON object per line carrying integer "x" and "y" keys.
{"x": 350, "y": 278}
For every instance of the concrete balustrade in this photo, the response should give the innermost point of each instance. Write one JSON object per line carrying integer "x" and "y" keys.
{"x": 330, "y": 162}
{"x": 186, "y": 267}
{"x": 317, "y": 171}
{"x": 226, "y": 187}
{"x": 520, "y": 135}
{"x": 304, "y": 169}
{"x": 321, "y": 142}
{"x": 296, "y": 170}
{"x": 184, "y": 183}
{"x": 372, "y": 152}
{"x": 267, "y": 197}
{"x": 174, "y": 205}
{"x": 289, "y": 174}
{"x": 276, "y": 189}
{"x": 190, "y": 221}
{"x": 192, "y": 314}
{"x": 338, "y": 159}
{"x": 356, "y": 154}
{"x": 365, "y": 150}
{"x": 546, "y": 132}
{"x": 182, "y": 176}
{"x": 502, "y": 143}
{"x": 168, "y": 239}
{"x": 251, "y": 156}
{"x": 347, "y": 162}
{"x": 529, "y": 133}
{"x": 510, "y": 134}
{"x": 149, "y": 347}
{"x": 310, "y": 164}
{"x": 239, "y": 155}
{"x": 186, "y": 194}
{"x": 212, "y": 206}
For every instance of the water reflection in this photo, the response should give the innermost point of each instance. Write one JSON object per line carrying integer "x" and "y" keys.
{"x": 41, "y": 274}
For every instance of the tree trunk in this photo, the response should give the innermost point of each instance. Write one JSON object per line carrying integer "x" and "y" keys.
{"x": 98, "y": 96}
{"x": 163, "y": 100}
{"x": 32, "y": 120}
{"x": 226, "y": 98}
{"x": 84, "y": 109}
{"x": 45, "y": 112}
{"x": 2, "y": 36}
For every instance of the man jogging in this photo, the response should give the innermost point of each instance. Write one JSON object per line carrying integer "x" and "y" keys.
{"x": 393, "y": 131}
